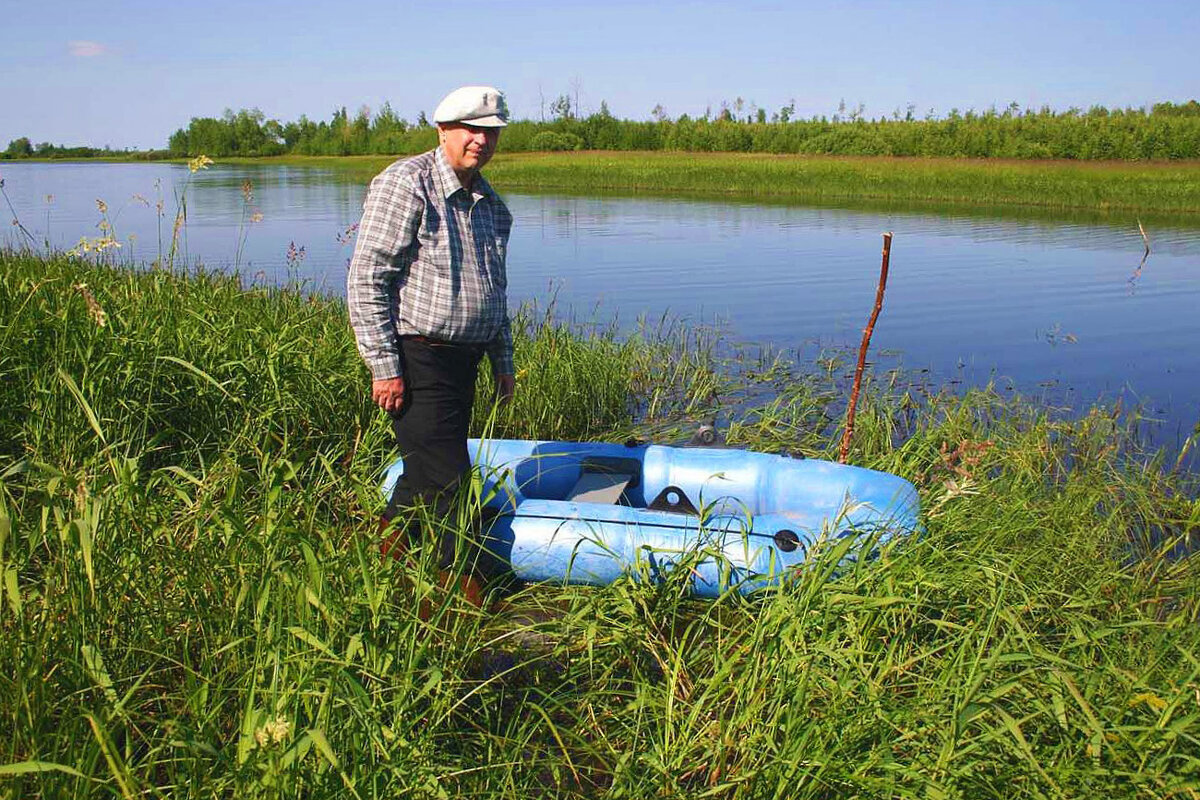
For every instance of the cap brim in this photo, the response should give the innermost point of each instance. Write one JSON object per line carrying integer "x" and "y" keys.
{"x": 485, "y": 122}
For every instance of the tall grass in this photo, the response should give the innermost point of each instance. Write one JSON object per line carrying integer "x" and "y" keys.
{"x": 193, "y": 605}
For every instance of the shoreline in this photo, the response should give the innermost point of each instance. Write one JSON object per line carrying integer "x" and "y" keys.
{"x": 1170, "y": 188}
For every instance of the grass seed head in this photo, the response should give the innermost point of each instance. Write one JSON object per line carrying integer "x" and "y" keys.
{"x": 95, "y": 310}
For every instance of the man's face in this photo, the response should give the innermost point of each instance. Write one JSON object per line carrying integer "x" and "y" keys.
{"x": 467, "y": 147}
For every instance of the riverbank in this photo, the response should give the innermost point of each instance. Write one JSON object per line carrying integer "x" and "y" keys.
{"x": 1159, "y": 187}
{"x": 191, "y": 603}
{"x": 1168, "y": 191}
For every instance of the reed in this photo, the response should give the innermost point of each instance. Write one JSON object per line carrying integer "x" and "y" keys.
{"x": 192, "y": 605}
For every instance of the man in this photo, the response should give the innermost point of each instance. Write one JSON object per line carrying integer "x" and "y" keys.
{"x": 427, "y": 299}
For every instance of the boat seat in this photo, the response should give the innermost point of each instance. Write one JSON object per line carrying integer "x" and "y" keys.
{"x": 605, "y": 488}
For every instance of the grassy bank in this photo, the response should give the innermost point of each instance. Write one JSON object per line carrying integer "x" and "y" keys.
{"x": 936, "y": 184}
{"x": 191, "y": 604}
{"x": 1055, "y": 185}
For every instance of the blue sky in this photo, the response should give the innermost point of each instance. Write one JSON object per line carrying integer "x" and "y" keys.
{"x": 127, "y": 73}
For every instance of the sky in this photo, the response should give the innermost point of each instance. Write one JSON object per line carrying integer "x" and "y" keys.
{"x": 126, "y": 73}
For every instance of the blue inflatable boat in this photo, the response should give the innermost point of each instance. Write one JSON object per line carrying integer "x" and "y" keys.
{"x": 587, "y": 512}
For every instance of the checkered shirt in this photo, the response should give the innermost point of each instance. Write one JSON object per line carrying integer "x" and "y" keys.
{"x": 429, "y": 261}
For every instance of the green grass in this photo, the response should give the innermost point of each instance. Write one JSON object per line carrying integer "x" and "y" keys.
{"x": 191, "y": 602}
{"x": 1053, "y": 185}
{"x": 1168, "y": 192}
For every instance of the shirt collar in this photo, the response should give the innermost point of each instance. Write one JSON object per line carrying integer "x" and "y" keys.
{"x": 483, "y": 187}
{"x": 449, "y": 180}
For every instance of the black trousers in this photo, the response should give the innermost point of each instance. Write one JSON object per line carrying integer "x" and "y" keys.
{"x": 431, "y": 433}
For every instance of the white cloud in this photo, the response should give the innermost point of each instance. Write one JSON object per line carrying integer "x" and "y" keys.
{"x": 87, "y": 49}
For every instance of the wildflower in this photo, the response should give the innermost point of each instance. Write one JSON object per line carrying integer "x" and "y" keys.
{"x": 137, "y": 198}
{"x": 198, "y": 163}
{"x": 257, "y": 216}
{"x": 49, "y": 199}
{"x": 273, "y": 732}
{"x": 103, "y": 206}
{"x": 98, "y": 245}
{"x": 345, "y": 236}
{"x": 295, "y": 255}
{"x": 280, "y": 730}
{"x": 247, "y": 191}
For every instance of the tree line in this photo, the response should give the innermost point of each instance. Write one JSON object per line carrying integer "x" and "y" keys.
{"x": 1164, "y": 131}
{"x": 22, "y": 147}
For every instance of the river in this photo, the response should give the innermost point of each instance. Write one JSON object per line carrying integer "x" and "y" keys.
{"x": 1053, "y": 308}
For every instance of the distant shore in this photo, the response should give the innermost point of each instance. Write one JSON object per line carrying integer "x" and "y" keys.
{"x": 1167, "y": 187}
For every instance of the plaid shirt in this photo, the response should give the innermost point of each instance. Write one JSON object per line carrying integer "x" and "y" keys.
{"x": 429, "y": 261}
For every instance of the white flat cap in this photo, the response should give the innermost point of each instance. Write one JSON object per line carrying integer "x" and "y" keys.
{"x": 474, "y": 105}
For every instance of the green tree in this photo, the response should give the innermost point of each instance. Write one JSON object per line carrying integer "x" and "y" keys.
{"x": 177, "y": 145}
{"x": 19, "y": 148}
{"x": 561, "y": 107}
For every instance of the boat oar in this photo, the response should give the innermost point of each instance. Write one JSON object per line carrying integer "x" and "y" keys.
{"x": 862, "y": 349}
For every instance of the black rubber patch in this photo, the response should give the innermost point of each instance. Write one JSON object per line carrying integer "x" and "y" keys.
{"x": 674, "y": 500}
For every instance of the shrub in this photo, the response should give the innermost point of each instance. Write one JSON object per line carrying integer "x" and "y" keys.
{"x": 549, "y": 140}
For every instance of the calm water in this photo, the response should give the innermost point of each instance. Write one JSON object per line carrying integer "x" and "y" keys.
{"x": 1049, "y": 307}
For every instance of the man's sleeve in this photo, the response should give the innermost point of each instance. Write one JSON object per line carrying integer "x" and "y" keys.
{"x": 500, "y": 349}
{"x": 391, "y": 214}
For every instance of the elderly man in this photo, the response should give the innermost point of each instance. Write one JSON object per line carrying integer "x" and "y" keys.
{"x": 426, "y": 293}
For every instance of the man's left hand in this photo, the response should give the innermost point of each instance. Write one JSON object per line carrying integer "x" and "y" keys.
{"x": 506, "y": 385}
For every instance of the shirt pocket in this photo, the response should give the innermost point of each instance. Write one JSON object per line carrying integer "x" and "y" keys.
{"x": 431, "y": 236}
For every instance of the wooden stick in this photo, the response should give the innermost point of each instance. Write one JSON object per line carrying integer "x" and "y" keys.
{"x": 866, "y": 342}
{"x": 1137, "y": 273}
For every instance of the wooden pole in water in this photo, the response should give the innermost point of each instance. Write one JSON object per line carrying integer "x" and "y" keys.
{"x": 862, "y": 349}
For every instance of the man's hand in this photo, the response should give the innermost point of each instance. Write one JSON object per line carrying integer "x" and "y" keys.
{"x": 506, "y": 385}
{"x": 388, "y": 394}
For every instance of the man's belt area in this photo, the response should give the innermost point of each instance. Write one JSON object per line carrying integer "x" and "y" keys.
{"x": 432, "y": 342}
